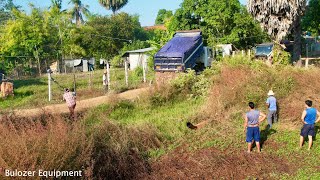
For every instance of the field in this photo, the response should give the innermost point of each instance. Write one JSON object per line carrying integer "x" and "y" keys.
{"x": 148, "y": 138}
{"x": 33, "y": 92}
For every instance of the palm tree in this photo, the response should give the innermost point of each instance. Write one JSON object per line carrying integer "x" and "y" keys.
{"x": 56, "y": 4}
{"x": 113, "y": 5}
{"x": 279, "y": 18}
{"x": 77, "y": 11}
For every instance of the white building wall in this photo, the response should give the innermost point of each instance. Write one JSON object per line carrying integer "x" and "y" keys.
{"x": 137, "y": 59}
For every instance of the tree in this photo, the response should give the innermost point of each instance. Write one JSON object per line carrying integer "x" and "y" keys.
{"x": 311, "y": 20}
{"x": 56, "y": 4}
{"x": 105, "y": 36}
{"x": 5, "y": 10}
{"x": 163, "y": 16}
{"x": 279, "y": 18}
{"x": 113, "y": 5}
{"x": 220, "y": 21}
{"x": 78, "y": 10}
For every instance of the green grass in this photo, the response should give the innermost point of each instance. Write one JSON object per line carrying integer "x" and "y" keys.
{"x": 33, "y": 92}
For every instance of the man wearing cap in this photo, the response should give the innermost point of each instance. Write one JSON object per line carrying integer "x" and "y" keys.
{"x": 309, "y": 118}
{"x": 272, "y": 106}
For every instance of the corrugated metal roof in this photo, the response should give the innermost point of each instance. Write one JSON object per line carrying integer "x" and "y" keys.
{"x": 141, "y": 50}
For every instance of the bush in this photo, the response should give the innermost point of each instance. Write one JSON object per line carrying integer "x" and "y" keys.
{"x": 117, "y": 61}
{"x": 280, "y": 56}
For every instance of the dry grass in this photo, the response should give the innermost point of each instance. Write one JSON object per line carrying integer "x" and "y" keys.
{"x": 108, "y": 151}
{"x": 45, "y": 143}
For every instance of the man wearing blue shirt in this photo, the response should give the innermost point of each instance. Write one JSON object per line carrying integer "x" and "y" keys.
{"x": 272, "y": 106}
{"x": 309, "y": 118}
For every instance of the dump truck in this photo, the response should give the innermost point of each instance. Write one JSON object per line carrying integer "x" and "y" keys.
{"x": 185, "y": 50}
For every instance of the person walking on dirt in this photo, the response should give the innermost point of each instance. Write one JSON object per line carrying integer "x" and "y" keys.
{"x": 272, "y": 106}
{"x": 71, "y": 102}
{"x": 105, "y": 81}
{"x": 309, "y": 118}
{"x": 251, "y": 126}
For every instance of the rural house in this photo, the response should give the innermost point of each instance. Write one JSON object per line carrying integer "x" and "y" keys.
{"x": 137, "y": 57}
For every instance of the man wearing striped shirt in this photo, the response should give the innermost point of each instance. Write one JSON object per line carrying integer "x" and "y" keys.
{"x": 71, "y": 102}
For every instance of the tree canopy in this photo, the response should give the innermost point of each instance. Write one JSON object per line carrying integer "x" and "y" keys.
{"x": 311, "y": 20}
{"x": 163, "y": 16}
{"x": 113, "y": 5}
{"x": 220, "y": 21}
{"x": 43, "y": 36}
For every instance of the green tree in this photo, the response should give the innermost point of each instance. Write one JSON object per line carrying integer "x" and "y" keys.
{"x": 56, "y": 4}
{"x": 78, "y": 10}
{"x": 113, "y": 5}
{"x": 5, "y": 10}
{"x": 163, "y": 16}
{"x": 220, "y": 21}
{"x": 25, "y": 37}
{"x": 311, "y": 20}
{"x": 105, "y": 36}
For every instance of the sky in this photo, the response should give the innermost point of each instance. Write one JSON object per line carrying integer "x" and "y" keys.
{"x": 146, "y": 9}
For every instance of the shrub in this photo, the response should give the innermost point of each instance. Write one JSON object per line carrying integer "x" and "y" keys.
{"x": 280, "y": 56}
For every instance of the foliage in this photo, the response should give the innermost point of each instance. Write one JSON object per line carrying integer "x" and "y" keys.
{"x": 111, "y": 33}
{"x": 163, "y": 16}
{"x": 77, "y": 10}
{"x": 5, "y": 10}
{"x": 117, "y": 61}
{"x": 113, "y": 5}
{"x": 280, "y": 56}
{"x": 44, "y": 36}
{"x": 311, "y": 19}
{"x": 191, "y": 84}
{"x": 220, "y": 22}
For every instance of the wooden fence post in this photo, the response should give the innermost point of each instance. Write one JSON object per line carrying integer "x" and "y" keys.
{"x": 108, "y": 75}
{"x": 126, "y": 71}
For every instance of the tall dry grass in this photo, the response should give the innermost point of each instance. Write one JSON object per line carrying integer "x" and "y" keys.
{"x": 237, "y": 84}
{"x": 45, "y": 143}
{"x": 48, "y": 142}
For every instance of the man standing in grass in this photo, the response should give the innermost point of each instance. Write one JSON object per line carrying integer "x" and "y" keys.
{"x": 272, "y": 106}
{"x": 251, "y": 126}
{"x": 71, "y": 102}
{"x": 309, "y": 118}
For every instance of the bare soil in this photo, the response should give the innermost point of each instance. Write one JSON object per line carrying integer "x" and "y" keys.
{"x": 216, "y": 164}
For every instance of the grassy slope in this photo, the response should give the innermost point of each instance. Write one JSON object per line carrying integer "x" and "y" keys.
{"x": 238, "y": 81}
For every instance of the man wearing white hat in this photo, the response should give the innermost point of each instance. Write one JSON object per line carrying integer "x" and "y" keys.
{"x": 272, "y": 106}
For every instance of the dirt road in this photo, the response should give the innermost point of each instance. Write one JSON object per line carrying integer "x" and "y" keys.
{"x": 81, "y": 105}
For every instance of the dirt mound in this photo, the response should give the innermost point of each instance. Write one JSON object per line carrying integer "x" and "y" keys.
{"x": 216, "y": 164}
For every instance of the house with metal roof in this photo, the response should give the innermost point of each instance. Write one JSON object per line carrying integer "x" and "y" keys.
{"x": 137, "y": 57}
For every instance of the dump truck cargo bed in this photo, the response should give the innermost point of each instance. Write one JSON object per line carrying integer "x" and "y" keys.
{"x": 180, "y": 52}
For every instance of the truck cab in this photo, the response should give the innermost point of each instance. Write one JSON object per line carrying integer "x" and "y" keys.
{"x": 264, "y": 51}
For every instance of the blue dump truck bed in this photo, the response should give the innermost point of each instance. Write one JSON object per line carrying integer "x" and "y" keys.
{"x": 180, "y": 53}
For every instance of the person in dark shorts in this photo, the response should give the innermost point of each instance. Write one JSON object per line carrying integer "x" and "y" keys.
{"x": 309, "y": 118}
{"x": 251, "y": 126}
